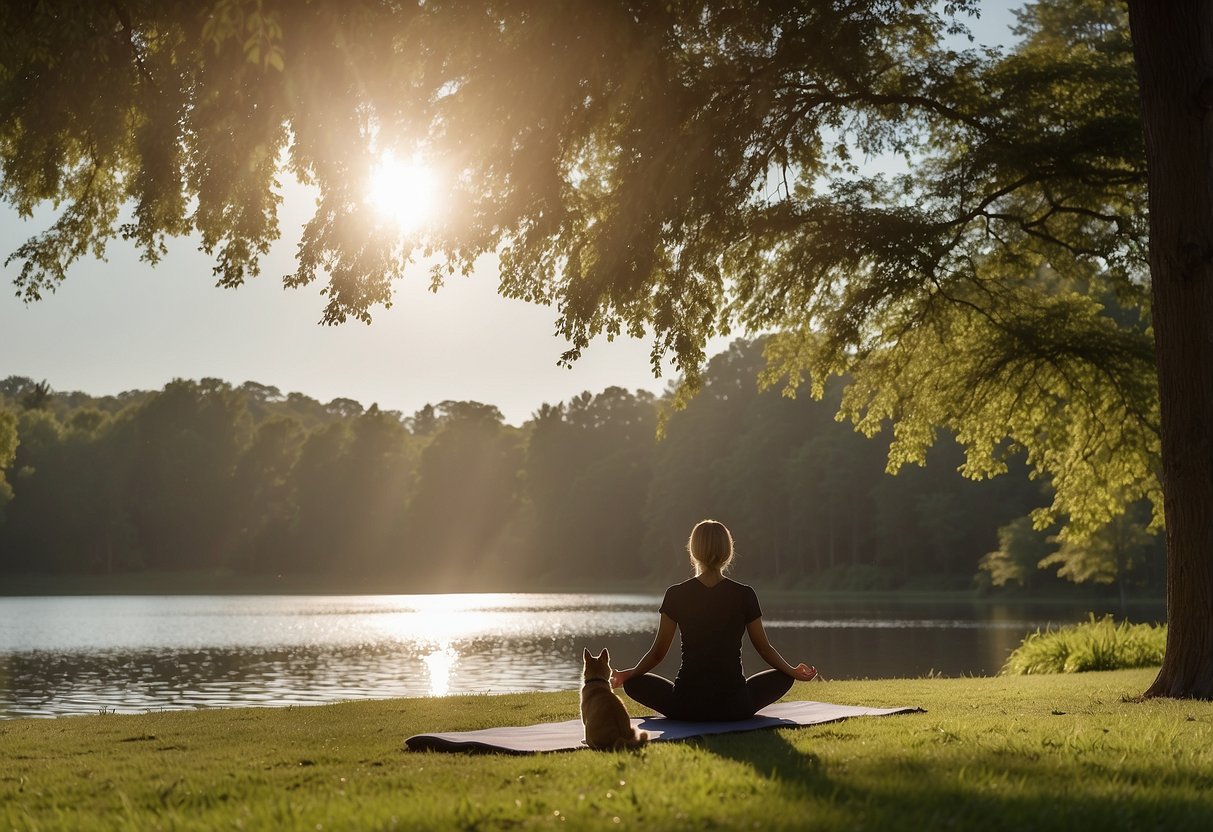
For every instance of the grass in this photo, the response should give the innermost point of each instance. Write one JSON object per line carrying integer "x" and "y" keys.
{"x": 1013, "y": 753}
{"x": 1094, "y": 645}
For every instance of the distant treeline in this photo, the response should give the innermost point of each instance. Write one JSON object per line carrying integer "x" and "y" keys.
{"x": 205, "y": 476}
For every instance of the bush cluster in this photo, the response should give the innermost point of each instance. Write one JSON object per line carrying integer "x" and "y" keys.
{"x": 1093, "y": 645}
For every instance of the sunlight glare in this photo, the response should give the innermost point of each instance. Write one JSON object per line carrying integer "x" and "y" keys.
{"x": 443, "y": 619}
{"x": 439, "y": 664}
{"x": 405, "y": 192}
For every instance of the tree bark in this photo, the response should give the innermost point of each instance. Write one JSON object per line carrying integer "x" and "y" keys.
{"x": 1173, "y": 50}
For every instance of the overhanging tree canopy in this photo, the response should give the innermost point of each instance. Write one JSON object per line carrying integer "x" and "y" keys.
{"x": 673, "y": 170}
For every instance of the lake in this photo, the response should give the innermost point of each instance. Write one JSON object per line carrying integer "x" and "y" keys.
{"x": 132, "y": 654}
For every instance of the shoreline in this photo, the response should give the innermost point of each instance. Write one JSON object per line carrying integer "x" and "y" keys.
{"x": 226, "y": 583}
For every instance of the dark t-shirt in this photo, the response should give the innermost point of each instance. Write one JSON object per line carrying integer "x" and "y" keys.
{"x": 711, "y": 621}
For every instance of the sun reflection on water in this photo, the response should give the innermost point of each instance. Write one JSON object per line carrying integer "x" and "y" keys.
{"x": 73, "y": 655}
{"x": 439, "y": 664}
{"x": 443, "y": 619}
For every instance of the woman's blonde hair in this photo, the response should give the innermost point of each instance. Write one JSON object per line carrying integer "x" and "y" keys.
{"x": 710, "y": 547}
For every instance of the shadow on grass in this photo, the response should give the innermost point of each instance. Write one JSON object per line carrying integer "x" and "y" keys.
{"x": 982, "y": 790}
{"x": 773, "y": 757}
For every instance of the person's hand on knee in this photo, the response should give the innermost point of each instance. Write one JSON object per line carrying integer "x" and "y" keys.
{"x": 618, "y": 677}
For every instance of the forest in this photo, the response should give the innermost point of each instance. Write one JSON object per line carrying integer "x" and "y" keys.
{"x": 598, "y": 492}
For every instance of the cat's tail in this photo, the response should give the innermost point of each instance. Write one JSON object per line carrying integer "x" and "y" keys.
{"x": 637, "y": 739}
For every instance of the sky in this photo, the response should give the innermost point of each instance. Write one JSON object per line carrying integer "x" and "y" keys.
{"x": 119, "y": 324}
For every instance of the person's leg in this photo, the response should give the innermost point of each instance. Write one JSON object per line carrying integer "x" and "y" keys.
{"x": 767, "y": 687}
{"x": 653, "y": 691}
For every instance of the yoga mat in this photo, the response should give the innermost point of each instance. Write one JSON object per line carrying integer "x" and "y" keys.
{"x": 569, "y": 735}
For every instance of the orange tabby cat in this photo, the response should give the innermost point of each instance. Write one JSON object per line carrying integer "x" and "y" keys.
{"x": 602, "y": 712}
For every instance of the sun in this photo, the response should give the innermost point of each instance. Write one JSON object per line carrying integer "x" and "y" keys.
{"x": 404, "y": 192}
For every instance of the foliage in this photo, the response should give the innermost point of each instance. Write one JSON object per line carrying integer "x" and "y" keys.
{"x": 854, "y": 577}
{"x": 1022, "y": 329}
{"x": 1107, "y": 555}
{"x": 1028, "y": 752}
{"x": 588, "y": 466}
{"x": 8, "y": 450}
{"x": 1094, "y": 645}
{"x": 468, "y": 488}
{"x": 203, "y": 477}
{"x": 675, "y": 170}
{"x": 35, "y": 396}
{"x": 1021, "y": 548}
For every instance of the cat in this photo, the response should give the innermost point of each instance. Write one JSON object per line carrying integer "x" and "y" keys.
{"x": 602, "y": 712}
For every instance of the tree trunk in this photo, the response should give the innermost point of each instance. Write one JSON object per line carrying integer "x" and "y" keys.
{"x": 1173, "y": 49}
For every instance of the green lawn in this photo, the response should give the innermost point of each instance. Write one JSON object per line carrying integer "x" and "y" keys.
{"x": 1017, "y": 753}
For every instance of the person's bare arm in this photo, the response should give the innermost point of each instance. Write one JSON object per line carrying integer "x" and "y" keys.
{"x": 661, "y": 646}
{"x": 758, "y": 637}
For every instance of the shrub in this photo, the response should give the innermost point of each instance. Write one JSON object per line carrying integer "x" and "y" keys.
{"x": 1092, "y": 645}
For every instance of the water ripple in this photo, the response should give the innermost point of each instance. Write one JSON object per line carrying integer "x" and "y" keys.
{"x": 135, "y": 654}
